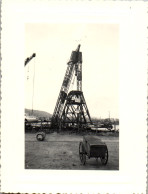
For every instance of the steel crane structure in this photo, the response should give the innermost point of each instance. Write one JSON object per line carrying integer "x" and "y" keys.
{"x": 71, "y": 109}
{"x": 29, "y": 59}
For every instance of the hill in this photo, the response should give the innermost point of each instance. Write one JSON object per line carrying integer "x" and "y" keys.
{"x": 38, "y": 113}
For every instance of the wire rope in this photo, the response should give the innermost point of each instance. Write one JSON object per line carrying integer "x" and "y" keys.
{"x": 72, "y": 84}
{"x": 33, "y": 85}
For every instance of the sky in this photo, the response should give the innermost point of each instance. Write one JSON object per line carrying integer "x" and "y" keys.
{"x": 53, "y": 44}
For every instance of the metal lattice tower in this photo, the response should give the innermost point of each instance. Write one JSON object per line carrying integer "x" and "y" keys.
{"x": 71, "y": 107}
{"x": 75, "y": 113}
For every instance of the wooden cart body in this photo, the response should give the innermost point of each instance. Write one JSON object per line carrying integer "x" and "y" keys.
{"x": 93, "y": 147}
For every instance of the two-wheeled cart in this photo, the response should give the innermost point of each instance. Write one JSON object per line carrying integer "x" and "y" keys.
{"x": 93, "y": 147}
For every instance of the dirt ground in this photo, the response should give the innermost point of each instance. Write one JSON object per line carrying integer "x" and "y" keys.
{"x": 61, "y": 151}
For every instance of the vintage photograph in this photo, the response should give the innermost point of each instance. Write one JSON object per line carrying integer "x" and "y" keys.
{"x": 73, "y": 96}
{"x": 71, "y": 113}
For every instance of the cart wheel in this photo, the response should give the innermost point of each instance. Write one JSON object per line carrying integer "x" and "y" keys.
{"x": 82, "y": 154}
{"x": 105, "y": 158}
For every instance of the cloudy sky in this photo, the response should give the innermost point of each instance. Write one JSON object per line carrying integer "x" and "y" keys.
{"x": 53, "y": 44}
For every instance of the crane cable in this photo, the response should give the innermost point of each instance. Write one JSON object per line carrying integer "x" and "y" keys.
{"x": 72, "y": 84}
{"x": 33, "y": 85}
{"x": 28, "y": 72}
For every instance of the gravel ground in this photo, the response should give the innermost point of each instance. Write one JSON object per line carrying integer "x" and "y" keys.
{"x": 61, "y": 151}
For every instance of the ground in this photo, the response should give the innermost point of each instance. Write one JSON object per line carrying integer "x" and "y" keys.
{"x": 61, "y": 151}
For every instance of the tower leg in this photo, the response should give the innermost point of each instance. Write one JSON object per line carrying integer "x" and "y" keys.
{"x": 75, "y": 113}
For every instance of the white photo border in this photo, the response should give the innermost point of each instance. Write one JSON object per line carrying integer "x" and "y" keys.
{"x": 131, "y": 16}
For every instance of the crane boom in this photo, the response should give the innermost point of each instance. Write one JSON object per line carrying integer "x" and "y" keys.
{"x": 76, "y": 57}
{"x": 29, "y": 59}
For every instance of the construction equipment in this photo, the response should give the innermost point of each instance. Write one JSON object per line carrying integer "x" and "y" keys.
{"x": 29, "y": 59}
{"x": 71, "y": 108}
{"x": 31, "y": 118}
{"x": 93, "y": 147}
{"x": 26, "y": 62}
